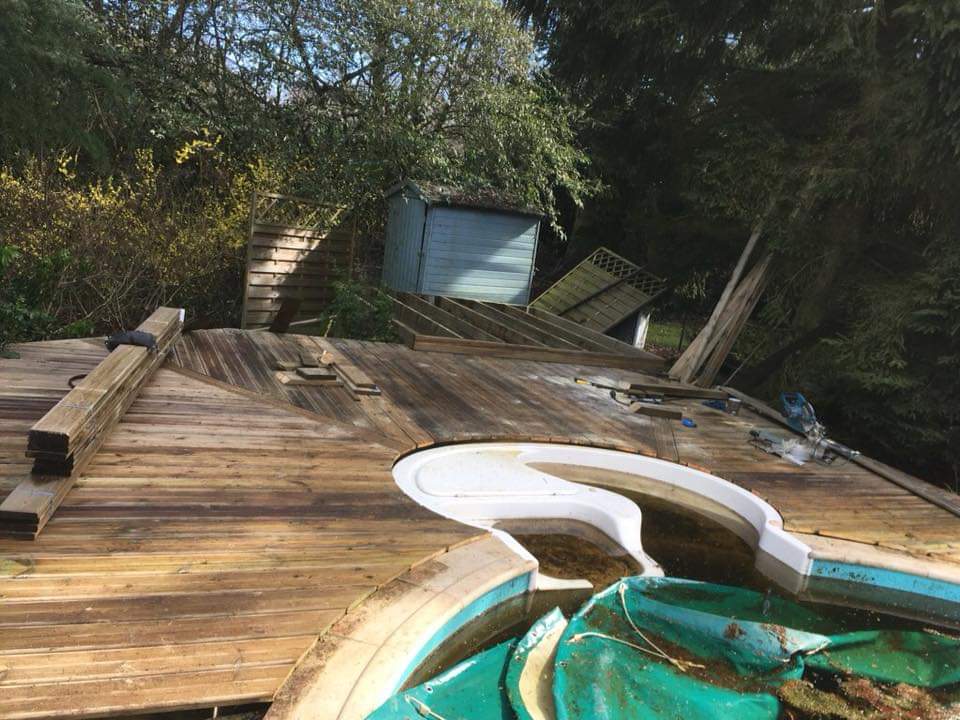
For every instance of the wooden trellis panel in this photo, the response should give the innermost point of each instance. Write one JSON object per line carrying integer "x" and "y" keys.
{"x": 296, "y": 250}
{"x": 600, "y": 292}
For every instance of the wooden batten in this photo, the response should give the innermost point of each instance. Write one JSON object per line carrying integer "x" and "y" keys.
{"x": 596, "y": 340}
{"x": 478, "y": 317}
{"x": 448, "y": 320}
{"x": 525, "y": 326}
{"x": 688, "y": 365}
{"x": 678, "y": 390}
{"x": 735, "y": 318}
{"x": 658, "y": 411}
{"x": 64, "y": 440}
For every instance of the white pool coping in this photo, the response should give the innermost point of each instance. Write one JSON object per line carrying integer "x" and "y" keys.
{"x": 481, "y": 483}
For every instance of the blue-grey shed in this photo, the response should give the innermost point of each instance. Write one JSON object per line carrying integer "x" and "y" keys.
{"x": 444, "y": 241}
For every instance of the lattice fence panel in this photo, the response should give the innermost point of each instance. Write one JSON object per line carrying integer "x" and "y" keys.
{"x": 600, "y": 291}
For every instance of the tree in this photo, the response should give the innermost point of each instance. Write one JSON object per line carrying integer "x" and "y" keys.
{"x": 54, "y": 83}
{"x": 354, "y": 94}
{"x": 134, "y": 133}
{"x": 835, "y": 121}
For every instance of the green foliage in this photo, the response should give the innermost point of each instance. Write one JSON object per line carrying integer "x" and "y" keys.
{"x": 27, "y": 293}
{"x": 359, "y": 311}
{"x": 837, "y": 123}
{"x": 349, "y": 95}
{"x": 53, "y": 80}
{"x": 101, "y": 255}
{"x": 132, "y": 135}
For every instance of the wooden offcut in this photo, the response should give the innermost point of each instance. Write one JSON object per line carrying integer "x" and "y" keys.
{"x": 659, "y": 411}
{"x": 355, "y": 380}
{"x": 288, "y": 377}
{"x": 64, "y": 440}
{"x": 316, "y": 373}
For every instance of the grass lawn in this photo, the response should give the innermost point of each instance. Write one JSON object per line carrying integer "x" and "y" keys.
{"x": 664, "y": 335}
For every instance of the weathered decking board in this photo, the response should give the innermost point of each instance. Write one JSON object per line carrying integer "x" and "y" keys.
{"x": 247, "y": 360}
{"x": 215, "y": 535}
{"x": 459, "y": 398}
{"x": 29, "y": 387}
{"x": 202, "y": 552}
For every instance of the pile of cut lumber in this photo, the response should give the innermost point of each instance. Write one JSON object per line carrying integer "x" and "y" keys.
{"x": 308, "y": 370}
{"x": 330, "y": 367}
{"x": 64, "y": 440}
{"x": 355, "y": 380}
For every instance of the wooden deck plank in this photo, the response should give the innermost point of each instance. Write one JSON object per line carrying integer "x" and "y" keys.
{"x": 210, "y": 541}
{"x": 225, "y": 523}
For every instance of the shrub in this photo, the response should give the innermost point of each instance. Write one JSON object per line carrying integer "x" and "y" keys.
{"x": 93, "y": 257}
{"x": 359, "y": 311}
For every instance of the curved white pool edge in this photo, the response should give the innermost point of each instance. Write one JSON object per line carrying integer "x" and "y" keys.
{"x": 479, "y": 484}
{"x": 765, "y": 520}
{"x": 425, "y": 476}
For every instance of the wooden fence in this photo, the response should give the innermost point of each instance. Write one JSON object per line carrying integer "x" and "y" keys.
{"x": 297, "y": 248}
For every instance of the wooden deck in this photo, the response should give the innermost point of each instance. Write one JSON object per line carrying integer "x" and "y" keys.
{"x": 230, "y": 519}
{"x": 208, "y": 544}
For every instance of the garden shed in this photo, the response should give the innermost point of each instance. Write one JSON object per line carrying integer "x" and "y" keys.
{"x": 444, "y": 241}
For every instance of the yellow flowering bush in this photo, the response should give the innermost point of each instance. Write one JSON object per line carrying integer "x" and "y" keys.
{"x": 79, "y": 257}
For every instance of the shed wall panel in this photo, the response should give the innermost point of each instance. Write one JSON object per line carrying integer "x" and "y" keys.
{"x": 404, "y": 235}
{"x": 478, "y": 254}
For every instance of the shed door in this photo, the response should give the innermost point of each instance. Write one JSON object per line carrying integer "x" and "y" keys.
{"x": 401, "y": 252}
{"x": 477, "y": 254}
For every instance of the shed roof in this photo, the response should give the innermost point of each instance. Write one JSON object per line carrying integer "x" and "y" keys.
{"x": 455, "y": 196}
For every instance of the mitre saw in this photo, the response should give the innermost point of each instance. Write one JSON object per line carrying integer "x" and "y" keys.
{"x": 801, "y": 416}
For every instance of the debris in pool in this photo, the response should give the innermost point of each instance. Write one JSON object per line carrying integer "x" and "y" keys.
{"x": 659, "y": 648}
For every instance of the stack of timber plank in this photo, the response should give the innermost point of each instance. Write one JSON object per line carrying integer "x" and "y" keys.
{"x": 705, "y": 355}
{"x": 64, "y": 440}
{"x": 471, "y": 327}
{"x": 355, "y": 380}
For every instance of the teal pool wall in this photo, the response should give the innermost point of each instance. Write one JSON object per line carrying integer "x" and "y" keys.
{"x": 502, "y": 593}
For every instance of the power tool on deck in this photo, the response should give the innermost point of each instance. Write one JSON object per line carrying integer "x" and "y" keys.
{"x": 801, "y": 416}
